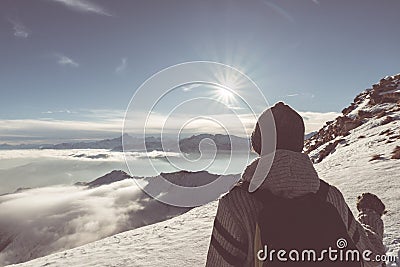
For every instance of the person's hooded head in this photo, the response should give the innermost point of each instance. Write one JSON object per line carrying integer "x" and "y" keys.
{"x": 289, "y": 130}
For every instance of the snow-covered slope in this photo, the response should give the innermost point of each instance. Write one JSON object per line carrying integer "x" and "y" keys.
{"x": 180, "y": 241}
{"x": 347, "y": 164}
{"x": 374, "y": 107}
{"x": 365, "y": 156}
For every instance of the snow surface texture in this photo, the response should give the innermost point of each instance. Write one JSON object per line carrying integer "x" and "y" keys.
{"x": 184, "y": 240}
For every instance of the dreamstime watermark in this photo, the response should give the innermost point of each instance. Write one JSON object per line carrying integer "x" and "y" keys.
{"x": 189, "y": 98}
{"x": 340, "y": 253}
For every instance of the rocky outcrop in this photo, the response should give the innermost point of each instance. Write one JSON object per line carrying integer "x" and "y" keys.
{"x": 377, "y": 102}
{"x": 340, "y": 127}
{"x": 396, "y": 153}
{"x": 386, "y": 91}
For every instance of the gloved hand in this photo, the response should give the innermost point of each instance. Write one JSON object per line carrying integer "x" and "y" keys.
{"x": 369, "y": 201}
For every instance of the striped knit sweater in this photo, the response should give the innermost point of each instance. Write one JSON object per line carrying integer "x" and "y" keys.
{"x": 291, "y": 175}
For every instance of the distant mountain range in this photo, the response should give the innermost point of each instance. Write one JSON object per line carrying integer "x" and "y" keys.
{"x": 114, "y": 144}
{"x": 114, "y": 176}
{"x": 181, "y": 178}
{"x": 187, "y": 145}
{"x": 101, "y": 144}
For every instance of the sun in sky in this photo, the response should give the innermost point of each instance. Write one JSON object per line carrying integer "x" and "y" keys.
{"x": 224, "y": 95}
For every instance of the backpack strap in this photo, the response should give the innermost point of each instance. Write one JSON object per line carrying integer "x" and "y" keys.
{"x": 323, "y": 190}
{"x": 243, "y": 185}
{"x": 259, "y": 194}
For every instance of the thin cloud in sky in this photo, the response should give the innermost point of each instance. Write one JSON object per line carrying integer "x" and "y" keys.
{"x": 316, "y": 2}
{"x": 122, "y": 67}
{"x": 20, "y": 30}
{"x": 313, "y": 121}
{"x": 291, "y": 95}
{"x": 66, "y": 61}
{"x": 84, "y": 6}
{"x": 102, "y": 114}
{"x": 304, "y": 95}
{"x": 235, "y": 107}
{"x": 58, "y": 111}
{"x": 86, "y": 124}
{"x": 279, "y": 10}
{"x": 44, "y": 130}
{"x": 187, "y": 88}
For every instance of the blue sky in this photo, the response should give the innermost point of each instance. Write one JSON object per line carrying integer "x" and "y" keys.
{"x": 71, "y": 65}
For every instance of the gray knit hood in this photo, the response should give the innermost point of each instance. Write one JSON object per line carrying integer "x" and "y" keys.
{"x": 291, "y": 174}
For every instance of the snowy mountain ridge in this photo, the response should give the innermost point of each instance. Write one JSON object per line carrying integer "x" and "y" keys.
{"x": 375, "y": 106}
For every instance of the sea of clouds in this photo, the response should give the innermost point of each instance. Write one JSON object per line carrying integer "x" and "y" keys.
{"x": 38, "y": 168}
{"x": 37, "y": 222}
